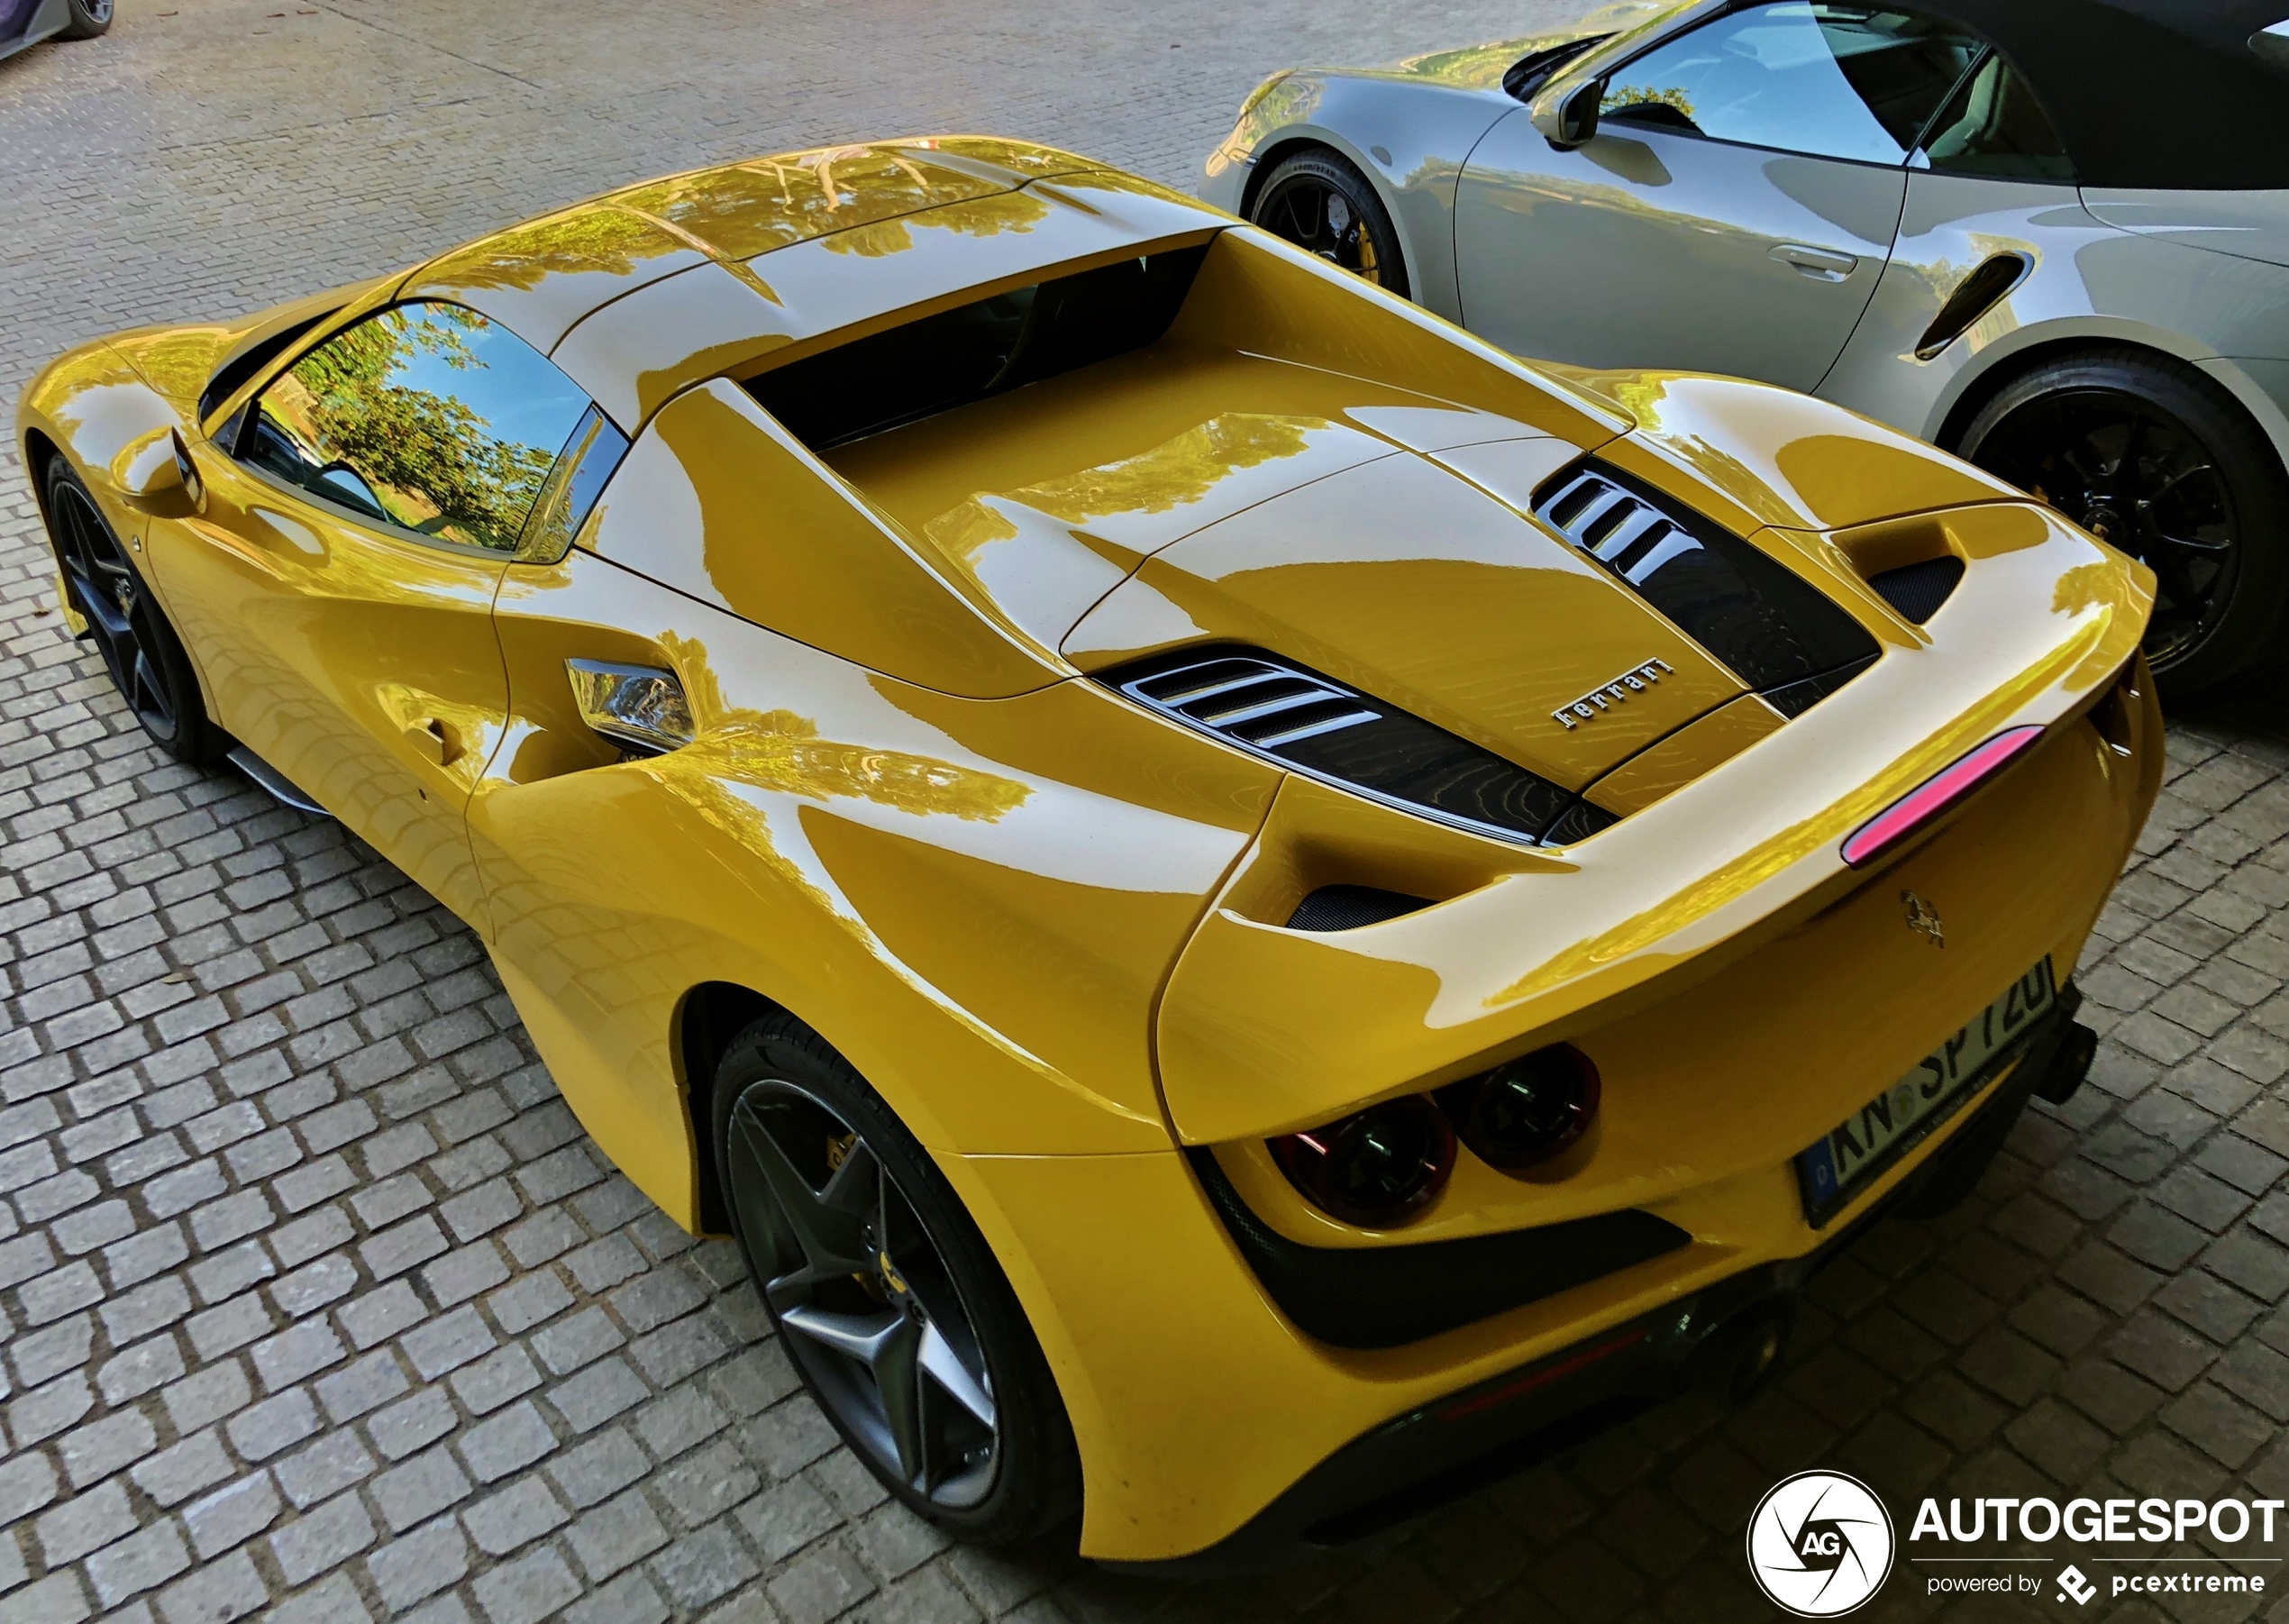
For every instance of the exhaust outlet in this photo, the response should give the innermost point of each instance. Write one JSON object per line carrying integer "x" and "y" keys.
{"x": 1735, "y": 1358}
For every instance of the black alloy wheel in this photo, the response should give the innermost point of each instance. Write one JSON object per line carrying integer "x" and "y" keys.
{"x": 89, "y": 19}
{"x": 124, "y": 622}
{"x": 2156, "y": 460}
{"x": 884, "y": 1294}
{"x": 1318, "y": 201}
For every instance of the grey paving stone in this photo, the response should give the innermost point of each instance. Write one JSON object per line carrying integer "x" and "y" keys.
{"x": 83, "y": 1523}
{"x": 332, "y": 1601}
{"x": 232, "y": 1516}
{"x": 184, "y": 1468}
{"x": 527, "y": 1589}
{"x": 622, "y": 1530}
{"x": 508, "y": 1442}
{"x": 418, "y": 1489}
{"x": 146, "y": 1559}
{"x": 321, "y": 1538}
{"x": 326, "y": 1467}
{"x": 418, "y": 1563}
{"x": 513, "y": 1517}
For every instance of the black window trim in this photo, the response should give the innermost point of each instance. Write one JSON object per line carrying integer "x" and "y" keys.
{"x": 230, "y": 434}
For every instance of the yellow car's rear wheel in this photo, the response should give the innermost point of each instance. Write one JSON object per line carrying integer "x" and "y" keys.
{"x": 886, "y": 1297}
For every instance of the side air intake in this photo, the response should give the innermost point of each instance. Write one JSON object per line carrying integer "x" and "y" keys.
{"x": 1314, "y": 726}
{"x": 1776, "y": 631}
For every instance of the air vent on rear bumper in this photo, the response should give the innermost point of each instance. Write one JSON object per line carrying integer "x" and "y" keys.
{"x": 1776, "y": 631}
{"x": 1318, "y": 726}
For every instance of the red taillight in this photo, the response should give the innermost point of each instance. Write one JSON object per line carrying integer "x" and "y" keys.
{"x": 1377, "y": 1168}
{"x": 1935, "y": 795}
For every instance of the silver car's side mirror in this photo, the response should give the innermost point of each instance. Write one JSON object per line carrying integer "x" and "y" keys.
{"x": 1569, "y": 118}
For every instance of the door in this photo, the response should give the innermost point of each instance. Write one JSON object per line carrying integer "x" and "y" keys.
{"x": 1733, "y": 212}
{"x": 338, "y": 586}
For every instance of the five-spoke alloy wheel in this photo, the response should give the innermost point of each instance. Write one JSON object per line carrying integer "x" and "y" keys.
{"x": 1321, "y": 203}
{"x": 885, "y": 1296}
{"x": 124, "y": 622}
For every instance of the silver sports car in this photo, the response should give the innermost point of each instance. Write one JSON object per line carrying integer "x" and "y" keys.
{"x": 2052, "y": 235}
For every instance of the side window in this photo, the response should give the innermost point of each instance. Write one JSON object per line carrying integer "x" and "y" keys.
{"x": 427, "y": 418}
{"x": 1834, "y": 81}
{"x": 1994, "y": 126}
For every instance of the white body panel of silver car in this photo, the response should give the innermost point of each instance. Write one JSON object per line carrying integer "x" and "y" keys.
{"x": 2188, "y": 274}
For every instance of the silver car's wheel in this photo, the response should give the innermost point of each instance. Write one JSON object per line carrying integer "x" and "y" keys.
{"x": 884, "y": 1297}
{"x": 1321, "y": 203}
{"x": 2157, "y": 463}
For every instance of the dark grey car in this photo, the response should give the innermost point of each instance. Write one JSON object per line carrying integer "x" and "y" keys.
{"x": 28, "y": 22}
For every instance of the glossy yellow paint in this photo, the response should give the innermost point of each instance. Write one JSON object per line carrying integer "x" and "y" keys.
{"x": 1049, "y": 927}
{"x": 1685, "y": 756}
{"x": 359, "y": 662}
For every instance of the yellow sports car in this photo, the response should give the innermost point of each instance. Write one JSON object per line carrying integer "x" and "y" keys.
{"x": 1250, "y": 908}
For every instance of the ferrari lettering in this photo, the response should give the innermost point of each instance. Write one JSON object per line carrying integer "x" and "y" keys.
{"x": 1605, "y": 697}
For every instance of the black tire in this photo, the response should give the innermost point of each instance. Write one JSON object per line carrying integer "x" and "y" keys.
{"x": 2161, "y": 461}
{"x": 128, "y": 628}
{"x": 782, "y": 1087}
{"x": 89, "y": 19}
{"x": 1294, "y": 202}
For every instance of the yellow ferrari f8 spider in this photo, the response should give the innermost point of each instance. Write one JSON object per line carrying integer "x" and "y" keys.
{"x": 1250, "y": 908}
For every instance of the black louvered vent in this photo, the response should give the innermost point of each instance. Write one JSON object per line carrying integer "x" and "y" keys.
{"x": 1776, "y": 631}
{"x": 1917, "y": 590}
{"x": 1349, "y": 907}
{"x": 1318, "y": 726}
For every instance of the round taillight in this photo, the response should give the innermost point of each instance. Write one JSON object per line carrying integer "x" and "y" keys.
{"x": 1525, "y": 1110}
{"x": 1376, "y": 1168}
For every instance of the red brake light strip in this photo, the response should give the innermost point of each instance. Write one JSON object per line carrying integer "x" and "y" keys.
{"x": 1935, "y": 795}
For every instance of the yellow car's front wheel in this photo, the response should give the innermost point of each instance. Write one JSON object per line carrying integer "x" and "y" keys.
{"x": 885, "y": 1296}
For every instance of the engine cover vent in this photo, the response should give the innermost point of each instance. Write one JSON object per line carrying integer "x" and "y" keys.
{"x": 1917, "y": 590}
{"x": 1775, "y": 629}
{"x": 1318, "y": 726}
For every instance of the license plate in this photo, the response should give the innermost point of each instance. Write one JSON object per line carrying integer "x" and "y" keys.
{"x": 1871, "y": 1138}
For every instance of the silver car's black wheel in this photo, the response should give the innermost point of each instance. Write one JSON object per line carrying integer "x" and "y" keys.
{"x": 2156, "y": 460}
{"x": 125, "y": 624}
{"x": 885, "y": 1295}
{"x": 1321, "y": 203}
{"x": 89, "y": 19}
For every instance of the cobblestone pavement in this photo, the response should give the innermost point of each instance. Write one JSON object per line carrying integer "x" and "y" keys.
{"x": 317, "y": 1299}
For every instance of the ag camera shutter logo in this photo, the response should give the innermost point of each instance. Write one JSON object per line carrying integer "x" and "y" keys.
{"x": 1820, "y": 1544}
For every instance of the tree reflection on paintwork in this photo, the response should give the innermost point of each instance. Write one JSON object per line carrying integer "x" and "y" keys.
{"x": 1180, "y": 469}
{"x": 979, "y": 217}
{"x": 426, "y": 416}
{"x": 602, "y": 242}
{"x": 747, "y": 209}
{"x": 781, "y": 752}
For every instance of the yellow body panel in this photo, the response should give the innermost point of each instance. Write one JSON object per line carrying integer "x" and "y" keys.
{"x": 1050, "y": 926}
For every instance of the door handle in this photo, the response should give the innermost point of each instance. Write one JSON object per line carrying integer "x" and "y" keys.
{"x": 433, "y": 740}
{"x": 1821, "y": 264}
